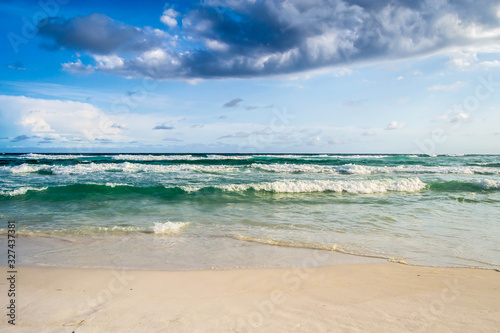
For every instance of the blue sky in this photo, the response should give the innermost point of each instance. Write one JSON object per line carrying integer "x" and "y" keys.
{"x": 250, "y": 76}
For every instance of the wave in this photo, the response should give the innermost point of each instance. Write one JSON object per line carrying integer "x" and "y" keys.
{"x": 471, "y": 186}
{"x": 308, "y": 186}
{"x": 112, "y": 190}
{"x": 169, "y": 227}
{"x": 52, "y": 156}
{"x": 21, "y": 191}
{"x": 350, "y": 169}
{"x": 177, "y": 157}
{"x": 293, "y": 168}
{"x": 324, "y": 156}
{"x": 159, "y": 228}
{"x": 488, "y": 184}
{"x": 105, "y": 190}
{"x": 126, "y": 167}
{"x": 355, "y": 169}
{"x": 269, "y": 241}
{"x": 486, "y": 164}
{"x": 305, "y": 245}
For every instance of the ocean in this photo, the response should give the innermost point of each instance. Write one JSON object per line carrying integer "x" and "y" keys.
{"x": 192, "y": 211}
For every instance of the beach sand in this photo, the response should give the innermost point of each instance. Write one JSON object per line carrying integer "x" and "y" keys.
{"x": 372, "y": 297}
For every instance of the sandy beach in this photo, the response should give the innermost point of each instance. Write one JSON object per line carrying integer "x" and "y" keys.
{"x": 379, "y": 297}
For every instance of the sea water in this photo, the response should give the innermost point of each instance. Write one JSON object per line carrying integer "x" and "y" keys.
{"x": 193, "y": 210}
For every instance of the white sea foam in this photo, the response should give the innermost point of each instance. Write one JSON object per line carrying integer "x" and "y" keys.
{"x": 305, "y": 186}
{"x": 365, "y": 170}
{"x": 169, "y": 227}
{"x": 225, "y": 157}
{"x": 117, "y": 184}
{"x": 51, "y": 157}
{"x": 21, "y": 191}
{"x": 116, "y": 228}
{"x": 25, "y": 168}
{"x": 488, "y": 184}
{"x": 177, "y": 157}
{"x": 358, "y": 156}
{"x": 289, "y": 167}
{"x": 323, "y": 156}
{"x": 128, "y": 167}
{"x": 356, "y": 169}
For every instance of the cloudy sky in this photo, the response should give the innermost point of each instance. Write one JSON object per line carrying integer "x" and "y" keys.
{"x": 241, "y": 76}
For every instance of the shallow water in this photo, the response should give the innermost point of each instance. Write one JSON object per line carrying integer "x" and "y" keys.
{"x": 426, "y": 210}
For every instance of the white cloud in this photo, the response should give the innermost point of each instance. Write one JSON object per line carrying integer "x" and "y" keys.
{"x": 108, "y": 62}
{"x": 77, "y": 67}
{"x": 462, "y": 60}
{"x": 156, "y": 57}
{"x": 216, "y": 45}
{"x": 342, "y": 72}
{"x": 490, "y": 64}
{"x": 454, "y": 86}
{"x": 61, "y": 119}
{"x": 36, "y": 123}
{"x": 168, "y": 17}
{"x": 394, "y": 125}
{"x": 460, "y": 117}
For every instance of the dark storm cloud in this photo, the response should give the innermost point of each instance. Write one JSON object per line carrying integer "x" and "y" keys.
{"x": 232, "y": 103}
{"x": 95, "y": 33}
{"x": 237, "y": 135}
{"x": 253, "y": 107}
{"x": 229, "y": 38}
{"x": 163, "y": 127}
{"x": 172, "y": 140}
{"x": 103, "y": 141}
{"x": 20, "y": 138}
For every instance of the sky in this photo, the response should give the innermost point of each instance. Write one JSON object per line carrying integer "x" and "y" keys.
{"x": 235, "y": 76}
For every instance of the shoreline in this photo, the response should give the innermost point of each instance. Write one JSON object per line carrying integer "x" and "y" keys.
{"x": 181, "y": 253}
{"x": 353, "y": 297}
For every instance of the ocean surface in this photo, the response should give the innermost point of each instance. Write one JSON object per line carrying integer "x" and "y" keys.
{"x": 441, "y": 210}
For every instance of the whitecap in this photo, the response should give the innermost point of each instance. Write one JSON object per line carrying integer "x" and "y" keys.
{"x": 169, "y": 227}
{"x": 21, "y": 191}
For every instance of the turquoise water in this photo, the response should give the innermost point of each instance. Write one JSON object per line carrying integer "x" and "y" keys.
{"x": 426, "y": 210}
